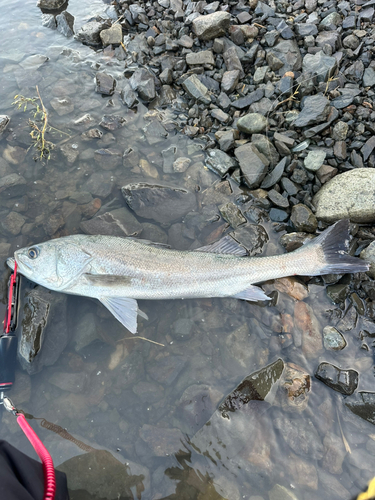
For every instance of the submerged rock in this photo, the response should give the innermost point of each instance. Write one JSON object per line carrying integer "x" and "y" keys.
{"x": 119, "y": 222}
{"x": 160, "y": 202}
{"x": 4, "y": 122}
{"x": 65, "y": 22}
{"x": 344, "y": 381}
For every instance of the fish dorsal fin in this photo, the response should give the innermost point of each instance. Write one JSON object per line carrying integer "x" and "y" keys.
{"x": 107, "y": 280}
{"x": 226, "y": 245}
{"x": 124, "y": 310}
{"x": 252, "y": 293}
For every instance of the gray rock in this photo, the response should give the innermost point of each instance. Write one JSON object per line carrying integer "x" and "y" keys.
{"x": 303, "y": 219}
{"x": 343, "y": 381}
{"x": 12, "y": 185}
{"x": 319, "y": 64}
{"x": 333, "y": 340}
{"x": 339, "y": 150}
{"x": 230, "y": 80}
{"x": 351, "y": 42}
{"x": 333, "y": 18}
{"x": 160, "y": 202}
{"x": 252, "y": 236}
{"x": 306, "y": 29}
{"x": 340, "y": 131}
{"x": 253, "y": 164}
{"x": 112, "y": 122}
{"x": 166, "y": 370}
{"x": 105, "y": 84}
{"x": 274, "y": 62}
{"x": 44, "y": 329}
{"x": 348, "y": 195}
{"x": 4, "y": 122}
{"x": 89, "y": 33}
{"x": 288, "y": 52}
{"x": 278, "y": 199}
{"x": 128, "y": 95}
{"x": 119, "y": 222}
{"x": 12, "y": 224}
{"x": 368, "y": 254}
{"x": 181, "y": 164}
{"x": 245, "y": 102}
{"x": 273, "y": 178}
{"x": 50, "y": 4}
{"x": 218, "y": 114}
{"x": 260, "y": 74}
{"x": 265, "y": 146}
{"x": 302, "y": 437}
{"x": 143, "y": 82}
{"x": 314, "y": 160}
{"x": 200, "y": 58}
{"x": 315, "y": 109}
{"x": 112, "y": 35}
{"x": 66, "y": 381}
{"x": 211, "y": 26}
{"x": 63, "y": 106}
{"x": 219, "y": 162}
{"x": 252, "y": 123}
{"x": 368, "y": 148}
{"x": 363, "y": 405}
{"x": 196, "y": 89}
{"x": 100, "y": 184}
{"x": 232, "y": 214}
{"x": 232, "y": 61}
{"x": 65, "y": 22}
{"x": 368, "y": 77}
{"x": 346, "y": 98}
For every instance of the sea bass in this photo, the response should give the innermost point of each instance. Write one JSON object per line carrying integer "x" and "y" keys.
{"x": 118, "y": 271}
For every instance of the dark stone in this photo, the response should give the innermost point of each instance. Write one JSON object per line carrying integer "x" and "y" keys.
{"x": 119, "y": 222}
{"x": 315, "y": 110}
{"x": 65, "y": 22}
{"x": 306, "y": 29}
{"x": 346, "y": 98}
{"x": 253, "y": 164}
{"x": 105, "y": 84}
{"x": 232, "y": 61}
{"x": 292, "y": 241}
{"x": 252, "y": 236}
{"x": 100, "y": 184}
{"x": 89, "y": 33}
{"x": 288, "y": 52}
{"x": 278, "y": 199}
{"x": 143, "y": 82}
{"x": 343, "y": 381}
{"x": 112, "y": 122}
{"x": 303, "y": 219}
{"x": 12, "y": 185}
{"x": 166, "y": 370}
{"x": 42, "y": 318}
{"x": 289, "y": 186}
{"x": 338, "y": 293}
{"x": 245, "y": 102}
{"x": 4, "y": 122}
{"x": 367, "y": 148}
{"x": 362, "y": 404}
{"x": 50, "y": 4}
{"x": 278, "y": 215}
{"x": 273, "y": 178}
{"x": 160, "y": 202}
{"x": 219, "y": 162}
{"x": 319, "y": 64}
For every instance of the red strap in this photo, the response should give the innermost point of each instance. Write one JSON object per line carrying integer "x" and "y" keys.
{"x": 8, "y": 316}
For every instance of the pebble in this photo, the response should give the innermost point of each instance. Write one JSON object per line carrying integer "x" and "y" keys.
{"x": 315, "y": 109}
{"x": 303, "y": 219}
{"x": 112, "y": 35}
{"x": 252, "y": 123}
{"x": 333, "y": 340}
{"x": 253, "y": 164}
{"x": 211, "y": 26}
{"x": 314, "y": 160}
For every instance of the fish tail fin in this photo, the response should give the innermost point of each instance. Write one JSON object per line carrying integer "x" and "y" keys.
{"x": 331, "y": 246}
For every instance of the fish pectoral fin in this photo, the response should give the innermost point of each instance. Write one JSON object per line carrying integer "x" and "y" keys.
{"x": 252, "y": 293}
{"x": 107, "y": 280}
{"x": 124, "y": 310}
{"x": 226, "y": 246}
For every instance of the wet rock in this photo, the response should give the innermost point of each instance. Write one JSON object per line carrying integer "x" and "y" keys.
{"x": 362, "y": 404}
{"x": 273, "y": 178}
{"x": 314, "y": 160}
{"x": 368, "y": 254}
{"x": 12, "y": 224}
{"x": 253, "y": 237}
{"x": 343, "y": 381}
{"x": 181, "y": 164}
{"x": 334, "y": 453}
{"x": 53, "y": 223}
{"x": 4, "y": 122}
{"x": 301, "y": 436}
{"x": 253, "y": 164}
{"x": 108, "y": 159}
{"x": 50, "y": 4}
{"x": 278, "y": 215}
{"x": 232, "y": 61}
{"x": 279, "y": 492}
{"x": 230, "y": 80}
{"x": 197, "y": 403}
{"x": 72, "y": 382}
{"x": 62, "y": 106}
{"x": 232, "y": 214}
{"x": 349, "y": 321}
{"x": 265, "y": 146}
{"x": 119, "y": 222}
{"x": 294, "y": 389}
{"x": 143, "y": 82}
{"x": 348, "y": 195}
{"x": 101, "y": 475}
{"x": 100, "y": 184}
{"x": 278, "y": 199}
{"x": 338, "y": 293}
{"x": 105, "y": 84}
{"x": 12, "y": 185}
{"x": 112, "y": 122}
{"x": 160, "y": 202}
{"x": 332, "y": 486}
{"x": 315, "y": 109}
{"x": 89, "y": 33}
{"x": 333, "y": 340}
{"x": 252, "y": 123}
{"x": 196, "y": 89}
{"x": 368, "y": 77}
{"x": 166, "y": 370}
{"x": 65, "y": 22}
{"x": 292, "y": 286}
{"x": 163, "y": 442}
{"x": 44, "y": 329}
{"x": 112, "y": 35}
{"x": 211, "y": 26}
{"x": 303, "y": 219}
{"x": 308, "y": 325}
{"x": 292, "y": 241}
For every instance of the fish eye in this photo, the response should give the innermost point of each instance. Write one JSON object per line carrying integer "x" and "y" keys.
{"x": 33, "y": 252}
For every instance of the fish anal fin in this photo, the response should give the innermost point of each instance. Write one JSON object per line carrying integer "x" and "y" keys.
{"x": 226, "y": 245}
{"x": 253, "y": 293}
{"x": 107, "y": 280}
{"x": 124, "y": 310}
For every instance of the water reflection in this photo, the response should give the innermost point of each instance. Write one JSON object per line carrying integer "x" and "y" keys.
{"x": 156, "y": 405}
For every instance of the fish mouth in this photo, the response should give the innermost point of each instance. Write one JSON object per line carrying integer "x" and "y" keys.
{"x": 11, "y": 262}
{"x": 21, "y": 263}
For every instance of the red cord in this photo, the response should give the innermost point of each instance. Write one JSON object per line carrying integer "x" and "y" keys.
{"x": 45, "y": 457}
{"x": 10, "y": 298}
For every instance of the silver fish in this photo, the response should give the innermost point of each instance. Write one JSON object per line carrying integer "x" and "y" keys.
{"x": 117, "y": 271}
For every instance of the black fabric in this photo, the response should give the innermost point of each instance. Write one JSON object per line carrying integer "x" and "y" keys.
{"x": 22, "y": 478}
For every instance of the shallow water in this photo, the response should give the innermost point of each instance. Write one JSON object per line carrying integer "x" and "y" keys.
{"x": 145, "y": 403}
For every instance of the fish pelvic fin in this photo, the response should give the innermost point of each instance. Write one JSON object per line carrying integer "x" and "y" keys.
{"x": 253, "y": 293}
{"x": 331, "y": 246}
{"x": 124, "y": 310}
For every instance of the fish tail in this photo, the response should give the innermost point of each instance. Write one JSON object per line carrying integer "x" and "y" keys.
{"x": 330, "y": 247}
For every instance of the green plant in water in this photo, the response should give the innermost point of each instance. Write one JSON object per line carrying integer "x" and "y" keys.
{"x": 39, "y": 124}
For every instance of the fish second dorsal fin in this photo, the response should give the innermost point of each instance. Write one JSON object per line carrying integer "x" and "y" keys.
{"x": 124, "y": 310}
{"x": 226, "y": 245}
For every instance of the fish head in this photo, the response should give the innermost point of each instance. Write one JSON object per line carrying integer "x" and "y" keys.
{"x": 54, "y": 264}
